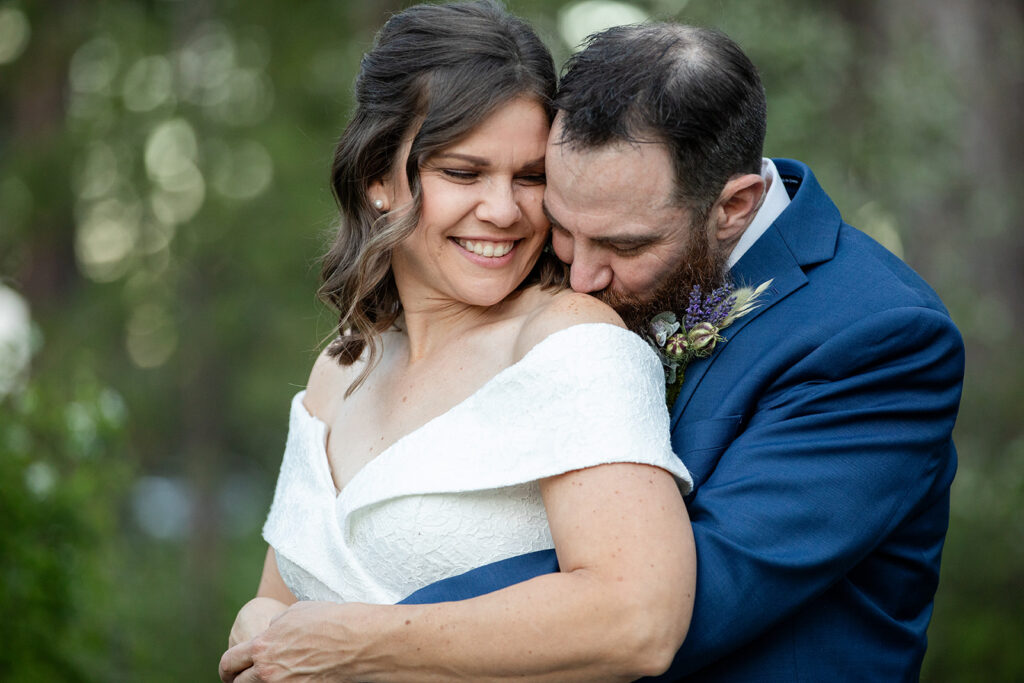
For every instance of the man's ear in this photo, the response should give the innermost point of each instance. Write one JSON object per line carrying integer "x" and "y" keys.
{"x": 737, "y": 205}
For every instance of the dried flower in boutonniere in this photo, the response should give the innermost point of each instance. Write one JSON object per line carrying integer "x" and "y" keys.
{"x": 677, "y": 342}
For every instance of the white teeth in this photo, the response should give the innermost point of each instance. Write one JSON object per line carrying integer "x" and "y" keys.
{"x": 486, "y": 249}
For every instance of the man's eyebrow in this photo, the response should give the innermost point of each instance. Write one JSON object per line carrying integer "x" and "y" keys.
{"x": 626, "y": 240}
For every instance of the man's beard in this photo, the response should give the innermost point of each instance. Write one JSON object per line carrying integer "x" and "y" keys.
{"x": 702, "y": 264}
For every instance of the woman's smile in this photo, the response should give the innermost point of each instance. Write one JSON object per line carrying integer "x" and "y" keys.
{"x": 492, "y": 252}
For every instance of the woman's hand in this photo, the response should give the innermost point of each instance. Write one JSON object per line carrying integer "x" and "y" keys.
{"x": 306, "y": 641}
{"x": 254, "y": 618}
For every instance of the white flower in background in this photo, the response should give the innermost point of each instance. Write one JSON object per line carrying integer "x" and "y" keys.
{"x": 15, "y": 340}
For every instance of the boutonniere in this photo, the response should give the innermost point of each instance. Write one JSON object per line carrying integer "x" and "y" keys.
{"x": 677, "y": 342}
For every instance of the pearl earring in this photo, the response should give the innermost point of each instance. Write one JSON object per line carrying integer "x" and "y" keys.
{"x": 378, "y": 204}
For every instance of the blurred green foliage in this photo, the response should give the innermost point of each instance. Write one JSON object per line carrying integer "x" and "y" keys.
{"x": 163, "y": 202}
{"x": 60, "y": 443}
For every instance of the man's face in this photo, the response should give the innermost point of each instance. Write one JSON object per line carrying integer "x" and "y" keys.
{"x": 615, "y": 223}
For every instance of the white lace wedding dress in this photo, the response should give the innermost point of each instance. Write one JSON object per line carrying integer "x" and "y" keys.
{"x": 461, "y": 491}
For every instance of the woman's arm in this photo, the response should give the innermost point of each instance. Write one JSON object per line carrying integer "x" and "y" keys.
{"x": 619, "y": 609}
{"x": 271, "y": 583}
{"x": 272, "y": 598}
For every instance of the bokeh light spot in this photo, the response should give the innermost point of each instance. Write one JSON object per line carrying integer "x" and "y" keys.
{"x": 94, "y": 65}
{"x": 162, "y": 506}
{"x": 151, "y": 336}
{"x": 14, "y": 34}
{"x": 242, "y": 172}
{"x": 96, "y": 175}
{"x": 148, "y": 84}
{"x": 40, "y": 478}
{"x": 580, "y": 19}
{"x": 106, "y": 238}
{"x": 15, "y": 340}
{"x": 170, "y": 149}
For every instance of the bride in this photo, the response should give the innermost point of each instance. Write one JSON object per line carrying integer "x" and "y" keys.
{"x": 471, "y": 408}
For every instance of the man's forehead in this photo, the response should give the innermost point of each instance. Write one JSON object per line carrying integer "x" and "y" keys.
{"x": 615, "y": 173}
{"x": 610, "y": 190}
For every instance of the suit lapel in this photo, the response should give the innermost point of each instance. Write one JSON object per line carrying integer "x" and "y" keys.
{"x": 804, "y": 234}
{"x": 768, "y": 259}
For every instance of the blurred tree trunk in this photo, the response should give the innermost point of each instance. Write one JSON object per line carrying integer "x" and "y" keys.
{"x": 47, "y": 271}
{"x": 983, "y": 49}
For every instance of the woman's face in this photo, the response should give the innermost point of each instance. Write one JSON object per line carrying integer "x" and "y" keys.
{"x": 482, "y": 225}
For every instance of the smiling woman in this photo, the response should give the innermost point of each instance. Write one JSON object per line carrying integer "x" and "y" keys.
{"x": 481, "y": 227}
{"x": 454, "y": 421}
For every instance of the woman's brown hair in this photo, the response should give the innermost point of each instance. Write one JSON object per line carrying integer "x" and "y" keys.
{"x": 443, "y": 69}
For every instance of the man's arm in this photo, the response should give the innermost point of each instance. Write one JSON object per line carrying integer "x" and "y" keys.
{"x": 845, "y": 444}
{"x": 617, "y": 611}
{"x": 843, "y": 447}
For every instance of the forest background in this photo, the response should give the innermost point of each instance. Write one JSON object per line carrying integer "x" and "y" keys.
{"x": 163, "y": 202}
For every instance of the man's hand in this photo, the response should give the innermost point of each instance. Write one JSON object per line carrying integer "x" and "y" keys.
{"x": 306, "y": 641}
{"x": 254, "y": 618}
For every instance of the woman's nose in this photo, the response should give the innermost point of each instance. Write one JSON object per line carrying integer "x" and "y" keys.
{"x": 499, "y": 206}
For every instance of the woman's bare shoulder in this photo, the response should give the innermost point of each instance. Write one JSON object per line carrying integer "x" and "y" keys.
{"x": 328, "y": 381}
{"x": 555, "y": 313}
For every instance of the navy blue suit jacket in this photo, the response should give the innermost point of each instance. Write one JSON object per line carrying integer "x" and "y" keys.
{"x": 819, "y": 441}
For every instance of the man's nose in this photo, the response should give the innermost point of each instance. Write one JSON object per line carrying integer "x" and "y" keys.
{"x": 587, "y": 276}
{"x": 499, "y": 206}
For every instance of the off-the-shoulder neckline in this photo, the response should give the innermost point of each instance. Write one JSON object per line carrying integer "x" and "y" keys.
{"x": 460, "y": 405}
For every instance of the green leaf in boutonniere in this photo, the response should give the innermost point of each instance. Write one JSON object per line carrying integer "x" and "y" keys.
{"x": 697, "y": 334}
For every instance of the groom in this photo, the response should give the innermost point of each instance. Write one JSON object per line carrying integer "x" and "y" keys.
{"x": 818, "y": 435}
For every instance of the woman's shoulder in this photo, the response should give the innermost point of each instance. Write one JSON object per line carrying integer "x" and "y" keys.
{"x": 327, "y": 383}
{"x": 558, "y": 312}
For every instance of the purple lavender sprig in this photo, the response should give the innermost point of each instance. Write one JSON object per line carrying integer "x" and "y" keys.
{"x": 699, "y": 331}
{"x": 709, "y": 308}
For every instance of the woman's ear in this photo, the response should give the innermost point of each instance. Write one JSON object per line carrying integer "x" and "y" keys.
{"x": 379, "y": 195}
{"x": 737, "y": 205}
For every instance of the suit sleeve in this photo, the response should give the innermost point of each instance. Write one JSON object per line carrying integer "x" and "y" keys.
{"x": 842, "y": 447}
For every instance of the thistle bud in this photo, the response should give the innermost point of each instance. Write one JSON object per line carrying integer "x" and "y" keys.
{"x": 676, "y": 347}
{"x": 702, "y": 338}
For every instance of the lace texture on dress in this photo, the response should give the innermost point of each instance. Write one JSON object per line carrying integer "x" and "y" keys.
{"x": 461, "y": 491}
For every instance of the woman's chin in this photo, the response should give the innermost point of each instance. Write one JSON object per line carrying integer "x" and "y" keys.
{"x": 485, "y": 297}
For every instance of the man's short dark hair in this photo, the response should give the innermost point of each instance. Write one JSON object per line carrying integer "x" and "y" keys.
{"x": 690, "y": 88}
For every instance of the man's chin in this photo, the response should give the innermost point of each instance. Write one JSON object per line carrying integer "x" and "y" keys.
{"x": 673, "y": 295}
{"x": 635, "y": 311}
{"x": 701, "y": 265}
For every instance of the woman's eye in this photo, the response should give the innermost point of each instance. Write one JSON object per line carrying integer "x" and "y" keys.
{"x": 460, "y": 174}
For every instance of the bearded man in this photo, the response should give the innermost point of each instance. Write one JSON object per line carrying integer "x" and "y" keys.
{"x": 819, "y": 433}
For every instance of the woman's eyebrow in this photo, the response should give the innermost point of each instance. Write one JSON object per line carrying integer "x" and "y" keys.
{"x": 477, "y": 161}
{"x": 481, "y": 161}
